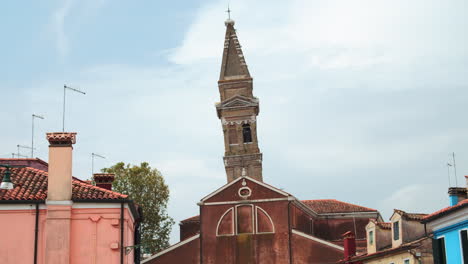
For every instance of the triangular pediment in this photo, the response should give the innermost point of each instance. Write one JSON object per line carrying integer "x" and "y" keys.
{"x": 239, "y": 101}
{"x": 233, "y": 191}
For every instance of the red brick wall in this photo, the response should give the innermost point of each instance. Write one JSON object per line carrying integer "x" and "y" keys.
{"x": 189, "y": 229}
{"x": 246, "y": 248}
{"x": 306, "y": 251}
{"x": 333, "y": 228}
{"x": 185, "y": 254}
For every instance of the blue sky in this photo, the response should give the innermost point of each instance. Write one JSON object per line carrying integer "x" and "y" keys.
{"x": 361, "y": 100}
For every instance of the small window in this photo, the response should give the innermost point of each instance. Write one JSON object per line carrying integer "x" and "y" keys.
{"x": 464, "y": 245}
{"x": 396, "y": 230}
{"x": 406, "y": 261}
{"x": 246, "y": 133}
{"x": 438, "y": 251}
{"x": 371, "y": 237}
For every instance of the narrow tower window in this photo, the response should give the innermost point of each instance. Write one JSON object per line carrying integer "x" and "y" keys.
{"x": 246, "y": 133}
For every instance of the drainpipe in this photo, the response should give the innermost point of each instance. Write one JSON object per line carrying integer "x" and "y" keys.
{"x": 121, "y": 233}
{"x": 201, "y": 232}
{"x": 290, "y": 233}
{"x": 36, "y": 232}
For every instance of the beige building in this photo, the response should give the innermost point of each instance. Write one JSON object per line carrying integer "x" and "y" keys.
{"x": 403, "y": 240}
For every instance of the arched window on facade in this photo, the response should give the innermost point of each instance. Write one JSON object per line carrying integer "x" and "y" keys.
{"x": 264, "y": 222}
{"x": 245, "y": 219}
{"x": 247, "y": 133}
{"x": 226, "y": 224}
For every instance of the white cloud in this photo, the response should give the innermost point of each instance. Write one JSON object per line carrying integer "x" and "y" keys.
{"x": 416, "y": 198}
{"x": 58, "y": 24}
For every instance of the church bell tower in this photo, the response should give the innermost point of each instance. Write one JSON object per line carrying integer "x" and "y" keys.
{"x": 238, "y": 110}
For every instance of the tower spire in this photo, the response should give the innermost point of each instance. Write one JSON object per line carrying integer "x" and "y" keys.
{"x": 238, "y": 111}
{"x": 233, "y": 65}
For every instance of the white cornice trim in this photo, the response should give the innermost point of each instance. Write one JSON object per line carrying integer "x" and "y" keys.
{"x": 449, "y": 219}
{"x": 172, "y": 248}
{"x": 66, "y": 202}
{"x": 246, "y": 201}
{"x": 11, "y": 207}
{"x": 317, "y": 240}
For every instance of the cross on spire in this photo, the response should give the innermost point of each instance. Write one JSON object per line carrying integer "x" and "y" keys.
{"x": 229, "y": 13}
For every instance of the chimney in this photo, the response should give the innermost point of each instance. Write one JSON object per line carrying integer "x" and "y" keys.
{"x": 349, "y": 245}
{"x": 456, "y": 194}
{"x": 104, "y": 180}
{"x": 59, "y": 186}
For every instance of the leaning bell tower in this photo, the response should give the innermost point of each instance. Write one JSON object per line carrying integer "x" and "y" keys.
{"x": 238, "y": 111}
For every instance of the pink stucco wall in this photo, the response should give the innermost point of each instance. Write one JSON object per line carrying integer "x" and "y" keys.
{"x": 94, "y": 234}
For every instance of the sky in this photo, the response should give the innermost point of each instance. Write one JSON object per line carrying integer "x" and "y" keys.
{"x": 361, "y": 101}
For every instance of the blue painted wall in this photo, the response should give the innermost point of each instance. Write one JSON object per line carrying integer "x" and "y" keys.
{"x": 452, "y": 241}
{"x": 453, "y": 200}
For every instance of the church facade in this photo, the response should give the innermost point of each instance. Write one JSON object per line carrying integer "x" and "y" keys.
{"x": 248, "y": 220}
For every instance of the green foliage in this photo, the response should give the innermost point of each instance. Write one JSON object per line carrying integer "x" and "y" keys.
{"x": 146, "y": 187}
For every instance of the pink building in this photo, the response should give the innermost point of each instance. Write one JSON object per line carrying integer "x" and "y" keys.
{"x": 51, "y": 217}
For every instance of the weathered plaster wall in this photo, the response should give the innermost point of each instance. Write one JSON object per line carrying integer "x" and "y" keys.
{"x": 396, "y": 259}
{"x": 92, "y": 233}
{"x": 17, "y": 235}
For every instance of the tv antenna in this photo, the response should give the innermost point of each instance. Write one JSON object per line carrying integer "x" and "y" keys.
{"x": 455, "y": 169}
{"x": 24, "y": 147}
{"x": 65, "y": 87}
{"x": 13, "y": 155}
{"x": 448, "y": 173}
{"x": 93, "y": 155}
{"x": 32, "y": 133}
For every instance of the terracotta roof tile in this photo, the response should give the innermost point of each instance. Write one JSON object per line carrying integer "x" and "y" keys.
{"x": 406, "y": 246}
{"x": 324, "y": 206}
{"x": 445, "y": 211}
{"x": 31, "y": 184}
{"x": 191, "y": 219}
{"x": 410, "y": 216}
{"x": 382, "y": 225}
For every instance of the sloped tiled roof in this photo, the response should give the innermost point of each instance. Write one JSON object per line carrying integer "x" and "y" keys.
{"x": 191, "y": 219}
{"x": 446, "y": 211}
{"x": 410, "y": 216}
{"x": 323, "y": 206}
{"x": 382, "y": 225}
{"x": 31, "y": 185}
{"x": 388, "y": 251}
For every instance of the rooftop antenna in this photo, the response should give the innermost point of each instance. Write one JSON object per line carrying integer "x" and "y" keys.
{"x": 32, "y": 133}
{"x": 65, "y": 87}
{"x": 18, "y": 155}
{"x": 455, "y": 169}
{"x": 448, "y": 173}
{"x": 25, "y": 147}
{"x": 92, "y": 161}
